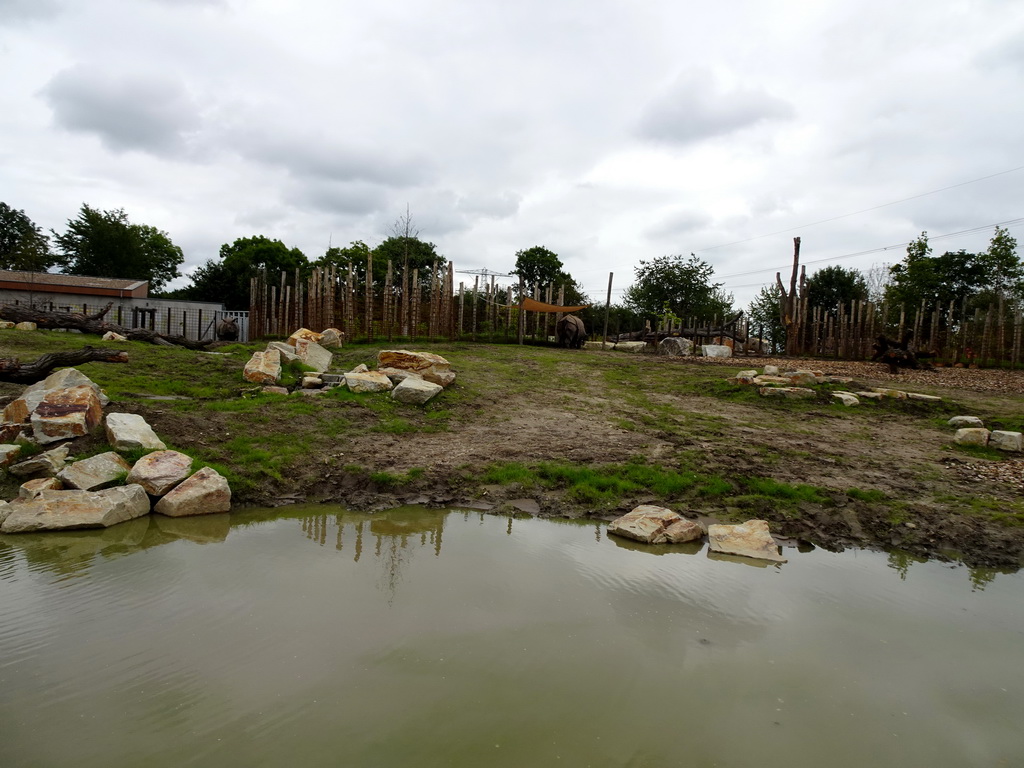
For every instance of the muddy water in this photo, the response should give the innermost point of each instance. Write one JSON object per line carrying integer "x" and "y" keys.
{"x": 423, "y": 638}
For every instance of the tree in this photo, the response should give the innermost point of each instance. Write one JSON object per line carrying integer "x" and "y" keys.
{"x": 833, "y": 287}
{"x": 23, "y": 246}
{"x": 406, "y": 253}
{"x": 677, "y": 285}
{"x": 956, "y": 276}
{"x": 763, "y": 317}
{"x": 538, "y": 267}
{"x": 105, "y": 244}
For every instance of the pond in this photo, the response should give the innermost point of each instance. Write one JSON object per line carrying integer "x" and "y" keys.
{"x": 320, "y": 637}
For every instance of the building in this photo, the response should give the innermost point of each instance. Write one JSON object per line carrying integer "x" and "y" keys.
{"x": 132, "y": 306}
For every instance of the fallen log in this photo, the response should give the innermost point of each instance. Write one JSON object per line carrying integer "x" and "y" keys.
{"x": 93, "y": 323}
{"x": 13, "y": 370}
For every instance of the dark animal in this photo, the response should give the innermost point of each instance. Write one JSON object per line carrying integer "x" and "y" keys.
{"x": 570, "y": 332}
{"x": 227, "y": 329}
{"x": 900, "y": 354}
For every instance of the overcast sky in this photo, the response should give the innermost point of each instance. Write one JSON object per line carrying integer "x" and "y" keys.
{"x": 609, "y": 132}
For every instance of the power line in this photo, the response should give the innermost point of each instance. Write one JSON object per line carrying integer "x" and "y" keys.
{"x": 864, "y": 210}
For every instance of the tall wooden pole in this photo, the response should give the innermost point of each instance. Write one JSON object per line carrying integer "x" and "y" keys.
{"x": 607, "y": 310}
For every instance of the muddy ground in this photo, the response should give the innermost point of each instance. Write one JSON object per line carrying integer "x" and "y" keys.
{"x": 906, "y": 456}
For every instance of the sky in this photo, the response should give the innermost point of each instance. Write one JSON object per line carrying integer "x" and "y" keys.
{"x": 609, "y": 132}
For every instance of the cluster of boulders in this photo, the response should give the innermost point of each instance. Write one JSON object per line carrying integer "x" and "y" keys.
{"x": 657, "y": 525}
{"x": 410, "y": 377}
{"x": 796, "y": 385}
{"x": 25, "y": 326}
{"x": 970, "y": 430}
{"x": 59, "y": 493}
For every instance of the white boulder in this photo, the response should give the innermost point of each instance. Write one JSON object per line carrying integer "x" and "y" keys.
{"x": 655, "y": 525}
{"x": 750, "y": 539}
{"x": 129, "y": 431}
{"x": 160, "y": 471}
{"x": 415, "y": 391}
{"x": 63, "y": 510}
{"x": 205, "y": 493}
{"x": 94, "y": 473}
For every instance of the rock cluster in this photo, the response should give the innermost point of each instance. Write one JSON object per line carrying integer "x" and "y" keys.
{"x": 795, "y": 385}
{"x": 656, "y": 525}
{"x": 970, "y": 430}
{"x": 101, "y": 490}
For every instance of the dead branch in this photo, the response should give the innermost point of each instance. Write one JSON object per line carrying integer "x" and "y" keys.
{"x": 13, "y": 370}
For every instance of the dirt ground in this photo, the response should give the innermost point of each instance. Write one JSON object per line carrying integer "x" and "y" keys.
{"x": 905, "y": 456}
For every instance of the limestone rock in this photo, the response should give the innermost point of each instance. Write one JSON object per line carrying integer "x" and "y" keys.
{"x": 397, "y": 375}
{"x": 331, "y": 338}
{"x": 835, "y": 380}
{"x": 6, "y": 325}
{"x": 32, "y": 488}
{"x": 635, "y": 347}
{"x": 430, "y": 366}
{"x": 800, "y": 378}
{"x": 924, "y": 398}
{"x": 1006, "y": 441}
{"x": 21, "y": 409}
{"x": 869, "y": 395}
{"x": 94, "y": 473}
{"x": 263, "y": 367}
{"x": 10, "y": 431}
{"x": 371, "y": 381}
{"x": 8, "y": 453}
{"x": 655, "y": 525}
{"x": 596, "y": 345}
{"x": 111, "y": 336}
{"x": 361, "y": 368}
{"x": 313, "y": 355}
{"x": 792, "y": 393}
{"x": 160, "y": 471}
{"x": 303, "y": 333}
{"x": 415, "y": 391}
{"x": 129, "y": 431}
{"x": 64, "y": 510}
{"x": 971, "y": 436}
{"x": 25, "y": 326}
{"x": 205, "y": 493}
{"x": 287, "y": 351}
{"x": 765, "y": 379}
{"x": 896, "y": 394}
{"x": 66, "y": 413}
{"x": 48, "y": 463}
{"x": 846, "y": 398}
{"x": 675, "y": 346}
{"x": 275, "y": 390}
{"x": 750, "y": 539}
{"x": 965, "y": 421}
{"x": 771, "y": 370}
{"x": 716, "y": 350}
{"x": 312, "y": 382}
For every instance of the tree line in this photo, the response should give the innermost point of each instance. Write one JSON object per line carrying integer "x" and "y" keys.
{"x": 103, "y": 243}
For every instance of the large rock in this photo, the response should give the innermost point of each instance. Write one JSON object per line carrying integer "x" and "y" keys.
{"x": 48, "y": 463}
{"x": 94, "y": 473}
{"x": 205, "y": 493}
{"x": 716, "y": 350}
{"x": 8, "y": 453}
{"x": 751, "y": 539}
{"x": 634, "y": 347}
{"x": 655, "y": 525}
{"x": 801, "y": 378}
{"x": 331, "y": 338}
{"x": 303, "y": 333}
{"x": 675, "y": 346}
{"x": 313, "y": 355}
{"x": 287, "y": 351}
{"x": 263, "y": 367}
{"x": 66, "y": 413}
{"x": 923, "y": 397}
{"x": 129, "y": 431}
{"x": 371, "y": 381}
{"x": 160, "y": 471}
{"x": 63, "y": 510}
{"x": 846, "y": 398}
{"x": 971, "y": 436}
{"x": 415, "y": 391}
{"x": 397, "y": 375}
{"x": 431, "y": 367}
{"x": 20, "y": 409}
{"x": 32, "y": 488}
{"x": 1006, "y": 441}
{"x": 965, "y": 421}
{"x": 111, "y": 336}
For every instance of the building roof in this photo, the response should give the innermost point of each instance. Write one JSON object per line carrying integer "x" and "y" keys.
{"x": 45, "y": 281}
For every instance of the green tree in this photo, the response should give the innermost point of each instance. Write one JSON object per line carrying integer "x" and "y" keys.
{"x": 227, "y": 280}
{"x": 23, "y": 246}
{"x": 105, "y": 244}
{"x": 677, "y": 285}
{"x": 833, "y": 287}
{"x": 538, "y": 267}
{"x": 1001, "y": 264}
{"x": 763, "y": 318}
{"x": 406, "y": 252}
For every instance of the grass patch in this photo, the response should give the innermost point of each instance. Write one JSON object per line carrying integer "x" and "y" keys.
{"x": 871, "y": 496}
{"x": 773, "y": 489}
{"x": 978, "y": 451}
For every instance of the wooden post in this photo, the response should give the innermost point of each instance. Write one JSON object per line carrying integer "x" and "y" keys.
{"x": 607, "y": 310}
{"x": 519, "y": 316}
{"x": 1016, "y": 336}
{"x": 462, "y": 305}
{"x": 476, "y": 289}
{"x": 787, "y": 301}
{"x": 414, "y": 309}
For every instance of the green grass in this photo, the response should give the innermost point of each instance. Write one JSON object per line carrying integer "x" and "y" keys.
{"x": 871, "y": 496}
